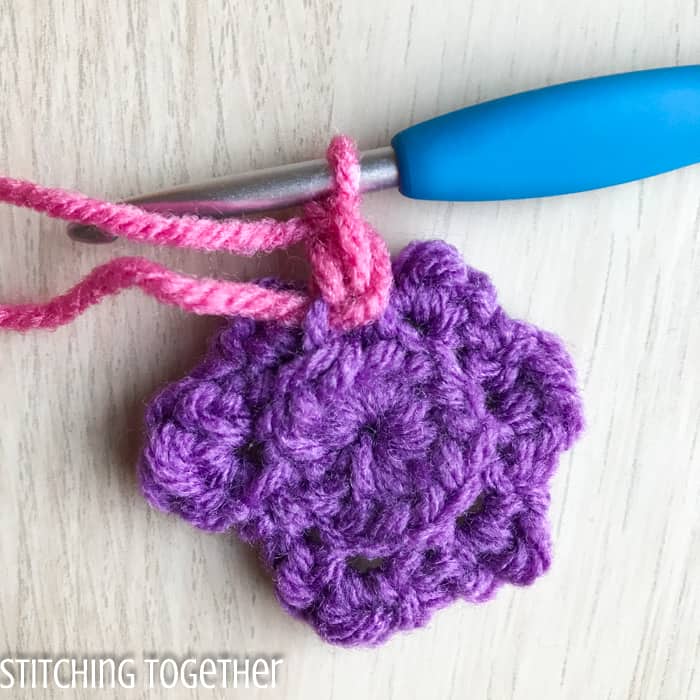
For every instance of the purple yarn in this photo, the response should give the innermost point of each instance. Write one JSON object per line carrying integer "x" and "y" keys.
{"x": 383, "y": 472}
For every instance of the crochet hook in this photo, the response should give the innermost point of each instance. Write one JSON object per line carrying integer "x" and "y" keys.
{"x": 560, "y": 139}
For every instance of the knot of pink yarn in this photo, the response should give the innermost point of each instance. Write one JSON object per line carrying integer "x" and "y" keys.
{"x": 350, "y": 262}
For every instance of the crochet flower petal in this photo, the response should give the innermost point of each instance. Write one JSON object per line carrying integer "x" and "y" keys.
{"x": 201, "y": 459}
{"x": 436, "y": 297}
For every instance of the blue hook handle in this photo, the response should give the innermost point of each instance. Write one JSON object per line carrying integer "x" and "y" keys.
{"x": 565, "y": 138}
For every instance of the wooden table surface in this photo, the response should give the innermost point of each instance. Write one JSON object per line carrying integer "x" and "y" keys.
{"x": 115, "y": 98}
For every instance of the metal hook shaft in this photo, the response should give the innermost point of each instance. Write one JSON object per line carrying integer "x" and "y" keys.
{"x": 255, "y": 191}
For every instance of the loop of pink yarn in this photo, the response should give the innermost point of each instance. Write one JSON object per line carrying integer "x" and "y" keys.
{"x": 350, "y": 262}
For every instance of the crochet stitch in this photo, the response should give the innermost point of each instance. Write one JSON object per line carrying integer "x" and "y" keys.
{"x": 382, "y": 472}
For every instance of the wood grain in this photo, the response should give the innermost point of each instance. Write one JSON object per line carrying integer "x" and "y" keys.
{"x": 116, "y": 98}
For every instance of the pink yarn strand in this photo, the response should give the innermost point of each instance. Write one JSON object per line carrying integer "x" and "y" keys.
{"x": 350, "y": 263}
{"x": 128, "y": 221}
{"x": 200, "y": 296}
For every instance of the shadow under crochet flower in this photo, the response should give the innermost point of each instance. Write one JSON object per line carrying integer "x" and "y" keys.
{"x": 382, "y": 472}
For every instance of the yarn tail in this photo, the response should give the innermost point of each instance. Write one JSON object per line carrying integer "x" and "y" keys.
{"x": 200, "y": 296}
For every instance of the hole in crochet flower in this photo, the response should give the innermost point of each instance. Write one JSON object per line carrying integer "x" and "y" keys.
{"x": 369, "y": 428}
{"x": 432, "y": 555}
{"x": 252, "y": 453}
{"x": 474, "y": 509}
{"x": 506, "y": 451}
{"x": 421, "y": 327}
{"x": 362, "y": 564}
{"x": 492, "y": 401}
{"x": 313, "y": 536}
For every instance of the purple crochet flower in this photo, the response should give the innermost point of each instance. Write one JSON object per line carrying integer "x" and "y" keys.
{"x": 382, "y": 472}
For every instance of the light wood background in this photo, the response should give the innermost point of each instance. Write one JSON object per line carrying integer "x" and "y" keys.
{"x": 116, "y": 98}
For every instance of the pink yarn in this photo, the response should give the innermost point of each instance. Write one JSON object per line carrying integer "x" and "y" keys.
{"x": 200, "y": 296}
{"x": 128, "y": 221}
{"x": 350, "y": 263}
